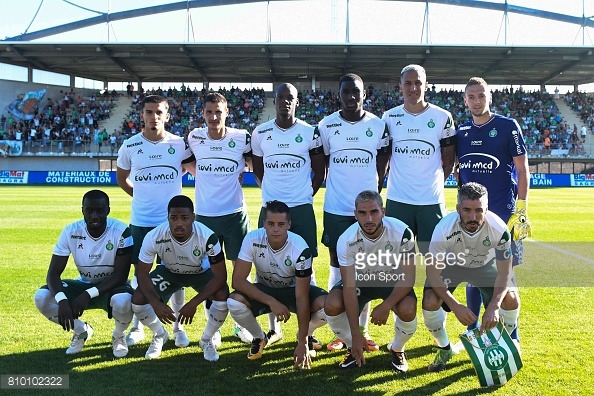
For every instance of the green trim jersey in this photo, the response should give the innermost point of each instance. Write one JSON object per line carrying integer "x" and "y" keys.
{"x": 94, "y": 257}
{"x": 276, "y": 268}
{"x": 219, "y": 163}
{"x": 156, "y": 174}
{"x": 189, "y": 257}
{"x": 416, "y": 173}
{"x": 353, "y": 148}
{"x": 287, "y": 163}
{"x": 489, "y": 243}
{"x": 355, "y": 248}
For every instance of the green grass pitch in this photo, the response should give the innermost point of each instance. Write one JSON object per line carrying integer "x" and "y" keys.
{"x": 556, "y": 322}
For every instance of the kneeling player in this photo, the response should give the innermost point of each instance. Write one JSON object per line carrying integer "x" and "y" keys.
{"x": 364, "y": 245}
{"x": 101, "y": 249}
{"x": 193, "y": 258}
{"x": 470, "y": 245}
{"x": 283, "y": 273}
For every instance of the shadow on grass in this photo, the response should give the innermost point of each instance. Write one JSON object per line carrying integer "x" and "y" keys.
{"x": 184, "y": 371}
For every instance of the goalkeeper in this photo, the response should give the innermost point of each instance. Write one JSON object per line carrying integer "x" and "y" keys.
{"x": 491, "y": 151}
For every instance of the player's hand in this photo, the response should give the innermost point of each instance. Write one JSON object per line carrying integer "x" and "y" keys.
{"x": 380, "y": 314}
{"x": 281, "y": 312}
{"x": 164, "y": 312}
{"x": 464, "y": 314}
{"x": 358, "y": 348}
{"x": 490, "y": 319}
{"x": 79, "y": 304}
{"x": 65, "y": 316}
{"x": 186, "y": 313}
{"x": 301, "y": 356}
{"x": 518, "y": 224}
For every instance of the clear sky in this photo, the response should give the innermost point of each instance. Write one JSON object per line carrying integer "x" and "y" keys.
{"x": 371, "y": 21}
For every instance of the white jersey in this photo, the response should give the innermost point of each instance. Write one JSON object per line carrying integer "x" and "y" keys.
{"x": 352, "y": 147}
{"x": 156, "y": 175}
{"x": 492, "y": 241}
{"x": 354, "y": 246}
{"x": 218, "y": 166}
{"x": 287, "y": 165}
{"x": 189, "y": 257}
{"x": 416, "y": 173}
{"x": 94, "y": 257}
{"x": 276, "y": 268}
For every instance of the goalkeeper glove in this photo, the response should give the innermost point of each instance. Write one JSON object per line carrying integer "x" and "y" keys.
{"x": 518, "y": 223}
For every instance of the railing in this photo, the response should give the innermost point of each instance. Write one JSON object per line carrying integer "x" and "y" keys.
{"x": 55, "y": 147}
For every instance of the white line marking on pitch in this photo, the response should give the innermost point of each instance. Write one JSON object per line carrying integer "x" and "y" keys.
{"x": 563, "y": 251}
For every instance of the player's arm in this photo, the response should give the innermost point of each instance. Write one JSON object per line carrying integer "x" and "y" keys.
{"x": 318, "y": 167}
{"x": 190, "y": 167}
{"x": 503, "y": 260}
{"x": 54, "y": 284}
{"x": 518, "y": 223}
{"x": 218, "y": 281}
{"x": 301, "y": 355}
{"x": 123, "y": 181}
{"x": 258, "y": 168}
{"x": 383, "y": 158}
{"x": 239, "y": 282}
{"x": 121, "y": 271}
{"x": 380, "y": 314}
{"x": 448, "y": 158}
{"x": 351, "y": 305}
{"x": 522, "y": 169}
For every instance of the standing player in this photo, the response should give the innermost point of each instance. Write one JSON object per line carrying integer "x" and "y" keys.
{"x": 283, "y": 273}
{"x": 424, "y": 151}
{"x": 220, "y": 159}
{"x": 192, "y": 257}
{"x": 357, "y": 145}
{"x": 373, "y": 240}
{"x": 469, "y": 245}
{"x": 149, "y": 169}
{"x": 101, "y": 249}
{"x": 491, "y": 151}
{"x": 286, "y": 151}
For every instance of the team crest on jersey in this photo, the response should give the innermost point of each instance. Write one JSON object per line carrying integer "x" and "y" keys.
{"x": 487, "y": 242}
{"x": 171, "y": 150}
{"x": 109, "y": 245}
{"x": 368, "y": 132}
{"x": 288, "y": 261}
{"x": 388, "y": 247}
{"x": 298, "y": 139}
{"x": 231, "y": 143}
{"x": 493, "y": 132}
{"x": 431, "y": 124}
{"x": 196, "y": 252}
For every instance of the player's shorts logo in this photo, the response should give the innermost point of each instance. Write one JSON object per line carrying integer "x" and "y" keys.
{"x": 368, "y": 132}
{"x": 431, "y": 124}
{"x": 493, "y": 132}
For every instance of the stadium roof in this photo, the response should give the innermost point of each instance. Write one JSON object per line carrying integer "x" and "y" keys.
{"x": 270, "y": 62}
{"x": 290, "y": 62}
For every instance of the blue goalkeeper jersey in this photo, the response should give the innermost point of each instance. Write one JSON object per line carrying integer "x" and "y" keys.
{"x": 486, "y": 156}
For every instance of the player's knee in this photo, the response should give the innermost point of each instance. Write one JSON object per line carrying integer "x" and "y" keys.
{"x": 138, "y": 298}
{"x": 318, "y": 304}
{"x": 237, "y": 297}
{"x": 42, "y": 298}
{"x": 430, "y": 300}
{"x": 407, "y": 309}
{"x": 121, "y": 302}
{"x": 511, "y": 300}
{"x": 222, "y": 294}
{"x": 334, "y": 304}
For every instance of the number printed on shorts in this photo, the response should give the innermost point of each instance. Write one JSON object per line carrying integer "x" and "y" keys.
{"x": 159, "y": 281}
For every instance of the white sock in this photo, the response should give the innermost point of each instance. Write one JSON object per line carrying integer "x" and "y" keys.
{"x": 46, "y": 304}
{"x": 510, "y": 318}
{"x": 333, "y": 277}
{"x": 217, "y": 313}
{"x": 403, "y": 331}
{"x": 245, "y": 318}
{"x": 435, "y": 321}
{"x": 364, "y": 318}
{"x": 340, "y": 326}
{"x": 79, "y": 326}
{"x": 121, "y": 305}
{"x": 274, "y": 324}
{"x": 318, "y": 319}
{"x": 177, "y": 302}
{"x": 148, "y": 317}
